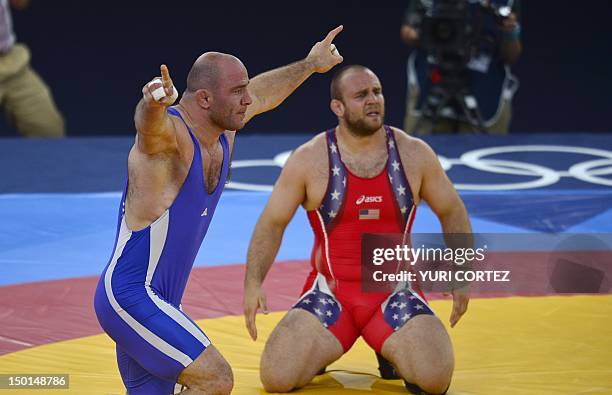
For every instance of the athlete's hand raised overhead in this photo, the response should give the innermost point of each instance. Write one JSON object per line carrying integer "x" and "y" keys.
{"x": 160, "y": 90}
{"x": 324, "y": 55}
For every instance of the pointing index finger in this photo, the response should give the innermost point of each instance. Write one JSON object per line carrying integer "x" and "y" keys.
{"x": 332, "y": 34}
{"x": 165, "y": 74}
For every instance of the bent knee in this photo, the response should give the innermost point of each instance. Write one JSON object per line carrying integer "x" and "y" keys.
{"x": 433, "y": 378}
{"x": 277, "y": 383}
{"x": 224, "y": 385}
{"x": 433, "y": 382}
{"x": 217, "y": 379}
{"x": 223, "y": 380}
{"x": 218, "y": 385}
{"x": 276, "y": 378}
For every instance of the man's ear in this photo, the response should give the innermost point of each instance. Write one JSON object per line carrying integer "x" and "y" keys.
{"x": 204, "y": 98}
{"x": 337, "y": 107}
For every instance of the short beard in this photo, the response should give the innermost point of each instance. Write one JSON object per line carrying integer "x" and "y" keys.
{"x": 361, "y": 128}
{"x": 224, "y": 122}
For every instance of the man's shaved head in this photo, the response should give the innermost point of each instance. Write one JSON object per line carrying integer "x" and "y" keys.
{"x": 207, "y": 70}
{"x": 336, "y": 84}
{"x": 217, "y": 89}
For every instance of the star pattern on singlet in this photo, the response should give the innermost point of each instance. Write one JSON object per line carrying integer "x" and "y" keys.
{"x": 397, "y": 177}
{"x": 402, "y": 306}
{"x": 323, "y": 306}
{"x": 333, "y": 201}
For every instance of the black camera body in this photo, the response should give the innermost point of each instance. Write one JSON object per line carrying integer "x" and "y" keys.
{"x": 447, "y": 35}
{"x": 451, "y": 36}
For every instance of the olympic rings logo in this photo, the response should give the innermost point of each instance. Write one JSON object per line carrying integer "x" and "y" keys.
{"x": 591, "y": 171}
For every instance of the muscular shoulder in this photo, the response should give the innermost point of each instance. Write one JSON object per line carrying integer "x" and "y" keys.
{"x": 181, "y": 150}
{"x": 311, "y": 150}
{"x": 418, "y": 160}
{"x": 308, "y": 157}
{"x": 413, "y": 148}
{"x": 162, "y": 140}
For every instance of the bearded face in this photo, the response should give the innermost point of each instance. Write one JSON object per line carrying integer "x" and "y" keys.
{"x": 363, "y": 104}
{"x": 364, "y": 121}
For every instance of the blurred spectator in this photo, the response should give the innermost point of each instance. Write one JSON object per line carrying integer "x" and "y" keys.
{"x": 25, "y": 97}
{"x": 491, "y": 31}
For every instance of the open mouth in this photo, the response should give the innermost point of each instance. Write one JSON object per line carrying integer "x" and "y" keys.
{"x": 373, "y": 113}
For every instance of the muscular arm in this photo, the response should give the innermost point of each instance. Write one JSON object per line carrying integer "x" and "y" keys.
{"x": 271, "y": 88}
{"x": 155, "y": 129}
{"x": 289, "y": 192}
{"x": 153, "y": 126}
{"x": 440, "y": 194}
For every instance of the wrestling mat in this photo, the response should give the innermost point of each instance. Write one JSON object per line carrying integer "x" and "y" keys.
{"x": 58, "y": 225}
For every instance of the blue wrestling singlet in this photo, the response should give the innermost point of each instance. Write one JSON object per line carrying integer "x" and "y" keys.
{"x": 138, "y": 296}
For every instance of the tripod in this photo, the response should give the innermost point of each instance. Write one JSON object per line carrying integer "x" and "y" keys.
{"x": 451, "y": 92}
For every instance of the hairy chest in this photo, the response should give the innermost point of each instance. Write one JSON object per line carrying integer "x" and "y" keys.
{"x": 212, "y": 167}
{"x": 365, "y": 166}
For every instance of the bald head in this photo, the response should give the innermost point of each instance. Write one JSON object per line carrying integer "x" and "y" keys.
{"x": 208, "y": 70}
{"x": 217, "y": 90}
{"x": 336, "y": 87}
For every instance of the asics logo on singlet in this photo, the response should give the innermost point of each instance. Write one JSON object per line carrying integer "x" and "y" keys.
{"x": 369, "y": 199}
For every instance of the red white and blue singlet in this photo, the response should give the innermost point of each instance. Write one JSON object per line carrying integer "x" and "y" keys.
{"x": 352, "y": 206}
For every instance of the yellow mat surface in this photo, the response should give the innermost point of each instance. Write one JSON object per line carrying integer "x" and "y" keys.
{"x": 543, "y": 345}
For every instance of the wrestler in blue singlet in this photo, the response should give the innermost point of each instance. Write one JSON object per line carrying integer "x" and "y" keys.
{"x": 138, "y": 297}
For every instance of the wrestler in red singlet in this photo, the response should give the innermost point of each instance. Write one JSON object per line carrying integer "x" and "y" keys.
{"x": 352, "y": 206}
